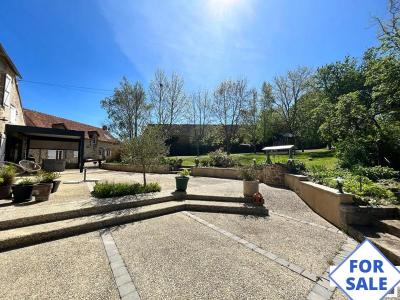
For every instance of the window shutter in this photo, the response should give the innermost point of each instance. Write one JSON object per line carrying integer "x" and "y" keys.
{"x": 13, "y": 117}
{"x": 2, "y": 86}
{"x": 7, "y": 90}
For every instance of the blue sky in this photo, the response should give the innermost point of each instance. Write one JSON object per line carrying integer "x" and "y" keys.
{"x": 93, "y": 43}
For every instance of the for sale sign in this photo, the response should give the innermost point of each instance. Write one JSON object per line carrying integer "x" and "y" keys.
{"x": 366, "y": 274}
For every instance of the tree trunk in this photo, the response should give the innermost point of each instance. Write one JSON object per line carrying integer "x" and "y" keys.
{"x": 144, "y": 175}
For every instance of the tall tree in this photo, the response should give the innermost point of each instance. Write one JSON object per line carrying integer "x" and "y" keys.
{"x": 288, "y": 90}
{"x": 229, "y": 99}
{"x": 389, "y": 34}
{"x": 127, "y": 109}
{"x": 266, "y": 103}
{"x": 251, "y": 114}
{"x": 158, "y": 92}
{"x": 200, "y": 116}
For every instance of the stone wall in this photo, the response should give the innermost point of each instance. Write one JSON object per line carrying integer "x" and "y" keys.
{"x": 274, "y": 174}
{"x": 137, "y": 169}
{"x": 229, "y": 173}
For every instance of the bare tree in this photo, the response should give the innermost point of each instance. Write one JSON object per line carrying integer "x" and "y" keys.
{"x": 127, "y": 109}
{"x": 200, "y": 116}
{"x": 229, "y": 99}
{"x": 158, "y": 92}
{"x": 250, "y": 119}
{"x": 288, "y": 90}
{"x": 168, "y": 99}
{"x": 266, "y": 103}
{"x": 389, "y": 34}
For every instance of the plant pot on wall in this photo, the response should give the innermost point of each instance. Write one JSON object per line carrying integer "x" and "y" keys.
{"x": 5, "y": 191}
{"x": 56, "y": 184}
{"x": 250, "y": 188}
{"x": 22, "y": 192}
{"x": 42, "y": 191}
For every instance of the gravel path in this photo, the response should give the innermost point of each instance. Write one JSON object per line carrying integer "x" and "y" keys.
{"x": 307, "y": 246}
{"x": 72, "y": 268}
{"x": 174, "y": 257}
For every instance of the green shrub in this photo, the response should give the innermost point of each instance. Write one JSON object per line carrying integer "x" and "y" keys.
{"x": 184, "y": 173}
{"x": 248, "y": 173}
{"x": 7, "y": 173}
{"x": 108, "y": 190}
{"x": 377, "y": 172}
{"x": 205, "y": 162}
{"x": 47, "y": 177}
{"x": 295, "y": 166}
{"x": 221, "y": 159}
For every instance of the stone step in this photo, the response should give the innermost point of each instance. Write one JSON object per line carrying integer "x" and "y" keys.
{"x": 33, "y": 215}
{"x": 389, "y": 244}
{"x": 389, "y": 226}
{"x": 35, "y": 234}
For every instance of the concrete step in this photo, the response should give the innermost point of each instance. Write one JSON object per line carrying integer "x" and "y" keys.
{"x": 389, "y": 226}
{"x": 35, "y": 234}
{"x": 389, "y": 244}
{"x": 34, "y": 215}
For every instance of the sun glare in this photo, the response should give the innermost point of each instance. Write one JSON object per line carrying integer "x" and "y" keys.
{"x": 219, "y": 8}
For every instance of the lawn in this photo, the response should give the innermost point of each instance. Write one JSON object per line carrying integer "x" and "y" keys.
{"x": 309, "y": 157}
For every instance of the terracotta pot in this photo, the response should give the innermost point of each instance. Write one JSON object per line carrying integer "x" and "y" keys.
{"x": 56, "y": 184}
{"x": 42, "y": 191}
{"x": 250, "y": 188}
{"x": 5, "y": 191}
{"x": 22, "y": 193}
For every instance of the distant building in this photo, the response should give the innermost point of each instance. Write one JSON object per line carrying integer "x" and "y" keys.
{"x": 98, "y": 142}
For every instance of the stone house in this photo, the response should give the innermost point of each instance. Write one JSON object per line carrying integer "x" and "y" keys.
{"x": 98, "y": 142}
{"x": 10, "y": 100}
{"x": 25, "y": 133}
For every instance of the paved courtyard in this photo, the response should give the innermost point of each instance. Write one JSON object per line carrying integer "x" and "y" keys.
{"x": 186, "y": 255}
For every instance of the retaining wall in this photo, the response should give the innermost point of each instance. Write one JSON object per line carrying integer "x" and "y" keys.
{"x": 136, "y": 169}
{"x": 324, "y": 200}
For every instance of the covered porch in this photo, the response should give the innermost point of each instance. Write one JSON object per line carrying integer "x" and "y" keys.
{"x": 23, "y": 139}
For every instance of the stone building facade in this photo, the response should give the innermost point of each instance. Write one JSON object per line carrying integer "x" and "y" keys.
{"x": 10, "y": 100}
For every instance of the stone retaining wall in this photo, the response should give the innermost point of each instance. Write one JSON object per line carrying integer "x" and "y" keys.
{"x": 324, "y": 200}
{"x": 228, "y": 173}
{"x": 274, "y": 174}
{"x": 136, "y": 169}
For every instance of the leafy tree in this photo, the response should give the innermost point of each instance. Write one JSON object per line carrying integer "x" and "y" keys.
{"x": 146, "y": 150}
{"x": 389, "y": 34}
{"x": 127, "y": 109}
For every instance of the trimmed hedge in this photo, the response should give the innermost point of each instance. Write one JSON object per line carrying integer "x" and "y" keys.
{"x": 108, "y": 190}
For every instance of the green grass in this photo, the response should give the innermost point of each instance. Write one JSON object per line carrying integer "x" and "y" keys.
{"x": 309, "y": 157}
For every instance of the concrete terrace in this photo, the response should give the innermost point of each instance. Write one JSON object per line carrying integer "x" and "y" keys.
{"x": 184, "y": 255}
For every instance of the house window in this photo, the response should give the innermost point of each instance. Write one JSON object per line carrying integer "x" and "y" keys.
{"x": 7, "y": 90}
{"x": 55, "y": 154}
{"x": 13, "y": 115}
{"x": 94, "y": 140}
{"x": 100, "y": 151}
{"x": 108, "y": 152}
{"x": 75, "y": 154}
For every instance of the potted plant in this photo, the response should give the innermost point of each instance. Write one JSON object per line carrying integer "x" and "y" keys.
{"x": 7, "y": 175}
{"x": 53, "y": 178}
{"x": 42, "y": 190}
{"x": 250, "y": 182}
{"x": 182, "y": 180}
{"x": 22, "y": 191}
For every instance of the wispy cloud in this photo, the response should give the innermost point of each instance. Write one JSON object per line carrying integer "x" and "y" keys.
{"x": 199, "y": 39}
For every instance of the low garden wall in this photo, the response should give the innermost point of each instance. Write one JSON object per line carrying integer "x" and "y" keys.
{"x": 274, "y": 174}
{"x": 323, "y": 200}
{"x": 163, "y": 169}
{"x": 228, "y": 173}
